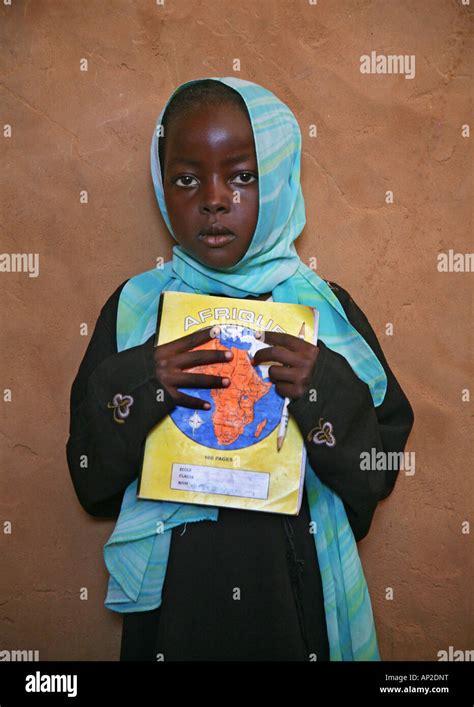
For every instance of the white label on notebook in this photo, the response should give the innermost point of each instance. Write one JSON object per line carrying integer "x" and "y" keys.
{"x": 228, "y": 482}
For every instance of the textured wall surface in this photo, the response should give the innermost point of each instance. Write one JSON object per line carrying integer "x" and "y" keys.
{"x": 74, "y": 130}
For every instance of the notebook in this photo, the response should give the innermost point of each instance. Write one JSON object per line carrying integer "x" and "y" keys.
{"x": 227, "y": 456}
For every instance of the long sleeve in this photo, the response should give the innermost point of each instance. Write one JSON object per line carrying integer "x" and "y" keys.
{"x": 345, "y": 402}
{"x": 104, "y": 456}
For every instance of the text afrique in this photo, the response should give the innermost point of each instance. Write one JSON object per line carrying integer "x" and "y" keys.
{"x": 233, "y": 314}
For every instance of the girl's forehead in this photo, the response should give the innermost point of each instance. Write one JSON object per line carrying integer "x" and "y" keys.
{"x": 212, "y": 128}
{"x": 226, "y": 114}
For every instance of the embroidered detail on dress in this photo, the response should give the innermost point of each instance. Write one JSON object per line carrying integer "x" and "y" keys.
{"x": 121, "y": 404}
{"x": 322, "y": 434}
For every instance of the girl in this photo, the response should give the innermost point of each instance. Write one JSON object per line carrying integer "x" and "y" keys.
{"x": 201, "y": 583}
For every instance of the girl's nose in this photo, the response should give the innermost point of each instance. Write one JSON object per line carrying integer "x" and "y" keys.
{"x": 215, "y": 196}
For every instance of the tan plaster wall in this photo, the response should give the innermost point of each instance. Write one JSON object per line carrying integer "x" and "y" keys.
{"x": 91, "y": 130}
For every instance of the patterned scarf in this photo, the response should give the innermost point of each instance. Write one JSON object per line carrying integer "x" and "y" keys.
{"x": 136, "y": 554}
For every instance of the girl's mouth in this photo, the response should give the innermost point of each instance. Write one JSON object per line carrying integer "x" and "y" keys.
{"x": 217, "y": 241}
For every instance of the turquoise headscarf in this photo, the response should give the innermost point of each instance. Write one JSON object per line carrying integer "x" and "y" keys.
{"x": 136, "y": 554}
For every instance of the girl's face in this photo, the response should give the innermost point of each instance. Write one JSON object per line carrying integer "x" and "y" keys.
{"x": 211, "y": 182}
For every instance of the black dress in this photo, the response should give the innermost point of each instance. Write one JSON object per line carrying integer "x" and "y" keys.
{"x": 247, "y": 587}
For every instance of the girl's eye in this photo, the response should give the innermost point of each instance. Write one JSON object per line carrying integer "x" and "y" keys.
{"x": 248, "y": 177}
{"x": 188, "y": 181}
{"x": 184, "y": 177}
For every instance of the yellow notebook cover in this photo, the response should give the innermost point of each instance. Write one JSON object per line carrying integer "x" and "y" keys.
{"x": 227, "y": 455}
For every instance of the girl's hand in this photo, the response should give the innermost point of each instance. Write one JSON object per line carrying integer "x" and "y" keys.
{"x": 293, "y": 378}
{"x": 173, "y": 357}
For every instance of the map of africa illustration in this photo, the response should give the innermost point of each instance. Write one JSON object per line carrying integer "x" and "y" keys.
{"x": 242, "y": 414}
